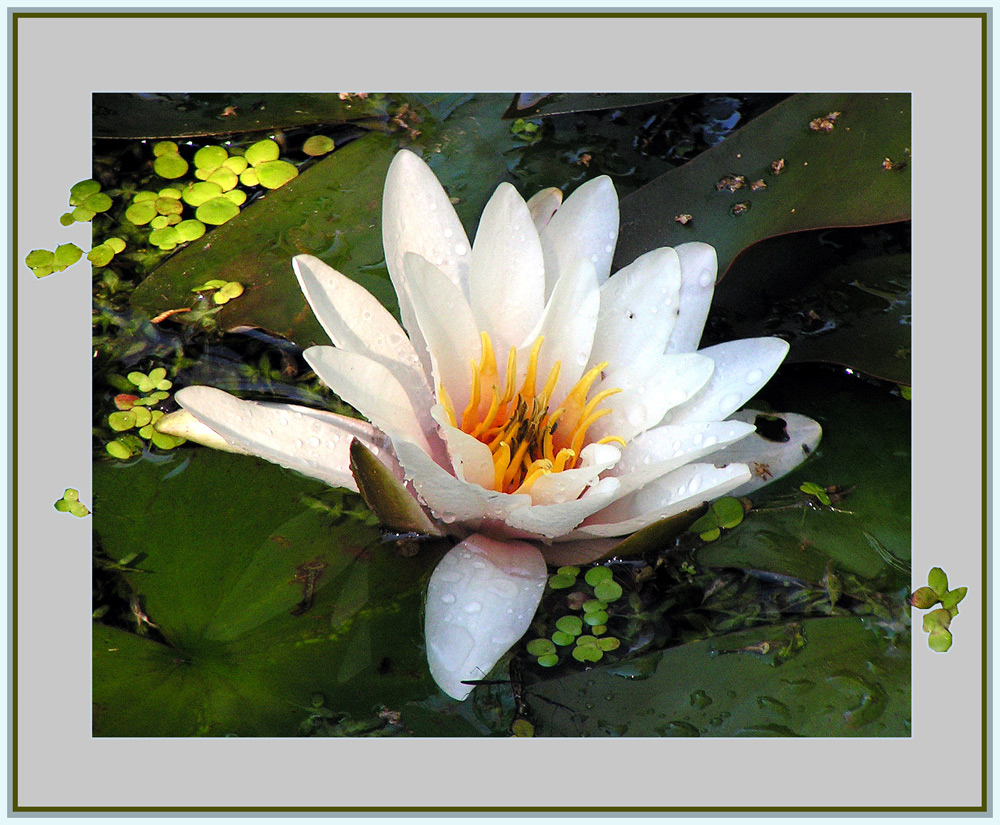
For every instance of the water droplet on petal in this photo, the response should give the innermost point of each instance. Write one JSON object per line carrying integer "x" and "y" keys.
{"x": 314, "y": 442}
{"x": 473, "y": 607}
{"x": 448, "y": 598}
{"x": 447, "y": 232}
{"x": 460, "y": 249}
{"x": 754, "y": 376}
{"x": 729, "y": 402}
{"x": 706, "y": 279}
{"x": 637, "y": 416}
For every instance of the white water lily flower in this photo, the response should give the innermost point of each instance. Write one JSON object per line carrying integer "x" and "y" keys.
{"x": 536, "y": 407}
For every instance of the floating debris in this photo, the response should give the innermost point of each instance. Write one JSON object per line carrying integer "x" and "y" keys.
{"x": 825, "y": 123}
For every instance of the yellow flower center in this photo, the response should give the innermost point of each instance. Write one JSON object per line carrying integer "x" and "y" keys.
{"x": 526, "y": 440}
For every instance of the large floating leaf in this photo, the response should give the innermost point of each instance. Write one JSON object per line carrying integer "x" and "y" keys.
{"x": 184, "y": 115}
{"x": 830, "y": 178}
{"x": 560, "y": 103}
{"x": 253, "y": 627}
{"x": 827, "y": 293}
{"x": 823, "y": 677}
{"x": 333, "y": 211}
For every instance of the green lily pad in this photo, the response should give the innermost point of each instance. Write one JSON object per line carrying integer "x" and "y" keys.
{"x": 217, "y": 211}
{"x": 252, "y": 628}
{"x": 544, "y": 105}
{"x": 275, "y": 173}
{"x": 828, "y": 179}
{"x": 170, "y": 165}
{"x": 842, "y": 679}
{"x": 318, "y": 145}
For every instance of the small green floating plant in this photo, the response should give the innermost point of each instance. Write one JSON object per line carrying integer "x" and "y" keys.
{"x": 937, "y": 622}
{"x": 70, "y": 503}
{"x": 724, "y": 514}
{"x": 87, "y": 200}
{"x": 135, "y": 413}
{"x": 43, "y": 262}
{"x": 590, "y": 614}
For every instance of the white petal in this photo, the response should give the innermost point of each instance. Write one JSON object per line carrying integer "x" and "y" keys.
{"x": 568, "y": 327}
{"x": 470, "y": 458}
{"x": 543, "y": 205}
{"x": 585, "y": 226}
{"x": 667, "y": 496}
{"x": 446, "y": 323}
{"x": 507, "y": 273}
{"x": 638, "y": 309}
{"x": 417, "y": 216}
{"x": 663, "y": 449}
{"x": 314, "y": 443}
{"x": 767, "y": 459}
{"x": 742, "y": 367}
{"x": 373, "y": 391}
{"x": 481, "y": 599}
{"x": 556, "y": 488}
{"x": 650, "y": 387}
{"x": 551, "y": 521}
{"x": 356, "y": 321}
{"x": 699, "y": 268}
{"x": 459, "y": 505}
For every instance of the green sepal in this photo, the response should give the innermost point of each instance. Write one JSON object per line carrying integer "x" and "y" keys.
{"x": 386, "y": 496}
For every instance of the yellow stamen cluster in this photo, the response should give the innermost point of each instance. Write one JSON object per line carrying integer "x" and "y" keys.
{"x": 526, "y": 440}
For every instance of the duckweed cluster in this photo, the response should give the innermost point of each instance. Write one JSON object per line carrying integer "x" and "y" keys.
{"x": 43, "y": 262}
{"x": 724, "y": 514}
{"x": 589, "y": 614}
{"x": 70, "y": 503}
{"x": 139, "y": 414}
{"x": 937, "y": 623}
{"x": 87, "y": 200}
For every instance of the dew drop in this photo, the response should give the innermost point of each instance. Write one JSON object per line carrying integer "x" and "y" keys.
{"x": 697, "y": 438}
{"x": 612, "y": 236}
{"x": 706, "y": 279}
{"x": 448, "y": 598}
{"x": 479, "y": 565}
{"x": 367, "y": 314}
{"x": 711, "y": 441}
{"x": 460, "y": 249}
{"x": 298, "y": 442}
{"x": 268, "y": 431}
{"x": 609, "y": 249}
{"x": 754, "y": 376}
{"x": 314, "y": 442}
{"x": 473, "y": 607}
{"x": 637, "y": 416}
{"x": 448, "y": 232}
{"x": 593, "y": 259}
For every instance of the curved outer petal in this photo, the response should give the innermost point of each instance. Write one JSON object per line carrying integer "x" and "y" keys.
{"x": 461, "y": 506}
{"x": 699, "y": 268}
{"x": 311, "y": 442}
{"x": 741, "y": 368}
{"x": 446, "y": 323}
{"x": 551, "y": 521}
{"x": 580, "y": 551}
{"x": 659, "y": 451}
{"x": 356, "y": 321}
{"x": 568, "y": 326}
{"x": 417, "y": 216}
{"x": 585, "y": 226}
{"x": 639, "y": 305}
{"x": 667, "y": 496}
{"x": 373, "y": 391}
{"x": 481, "y": 599}
{"x": 543, "y": 205}
{"x": 649, "y": 388}
{"x": 769, "y": 460}
{"x": 507, "y": 273}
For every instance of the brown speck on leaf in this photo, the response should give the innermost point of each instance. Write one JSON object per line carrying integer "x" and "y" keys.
{"x": 585, "y": 159}
{"x": 891, "y": 165}
{"x": 684, "y": 219}
{"x": 888, "y": 165}
{"x": 777, "y": 166}
{"x": 825, "y": 123}
{"x": 757, "y": 185}
{"x": 740, "y": 208}
{"x": 731, "y": 182}
{"x": 739, "y": 155}
{"x": 229, "y": 111}
{"x": 762, "y": 471}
